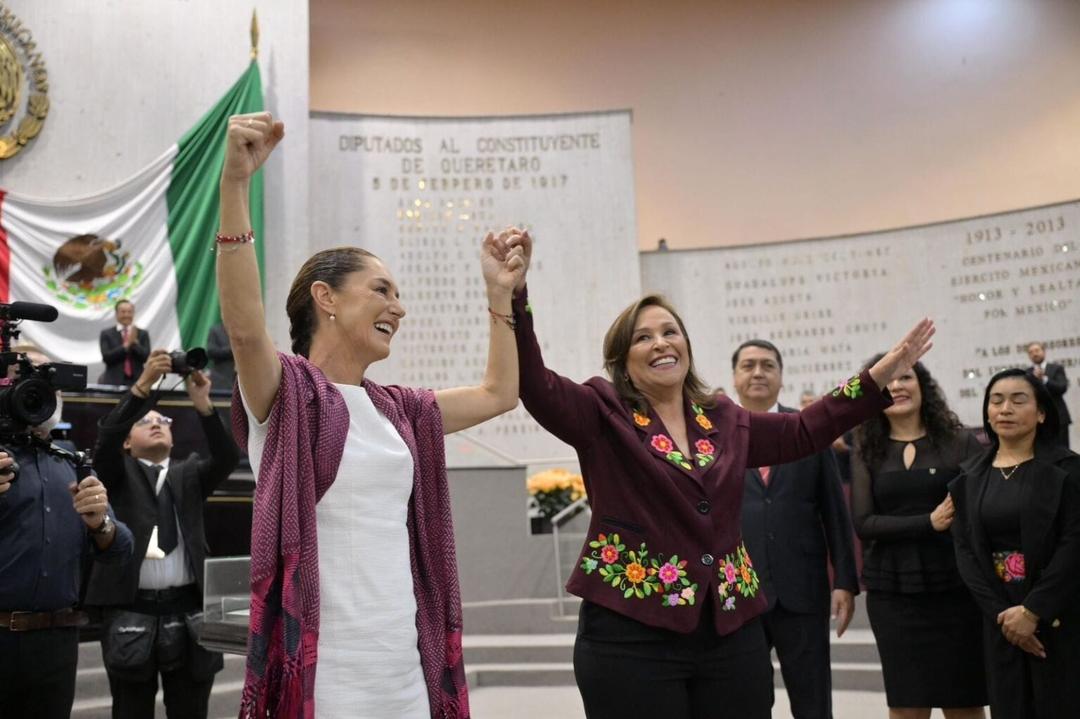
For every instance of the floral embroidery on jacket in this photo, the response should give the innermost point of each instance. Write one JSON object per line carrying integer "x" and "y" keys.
{"x": 1010, "y": 567}
{"x": 637, "y": 575}
{"x": 852, "y": 388}
{"x": 706, "y": 452}
{"x": 699, "y": 416}
{"x": 641, "y": 420}
{"x": 737, "y": 577}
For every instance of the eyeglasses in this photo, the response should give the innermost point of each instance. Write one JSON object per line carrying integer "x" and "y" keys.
{"x": 146, "y": 421}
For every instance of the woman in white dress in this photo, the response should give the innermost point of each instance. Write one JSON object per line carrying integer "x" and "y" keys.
{"x": 365, "y": 582}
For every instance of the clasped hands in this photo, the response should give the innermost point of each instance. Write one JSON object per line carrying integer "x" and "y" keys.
{"x": 1019, "y": 626}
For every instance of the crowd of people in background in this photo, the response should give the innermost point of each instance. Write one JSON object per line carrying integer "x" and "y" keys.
{"x": 722, "y": 527}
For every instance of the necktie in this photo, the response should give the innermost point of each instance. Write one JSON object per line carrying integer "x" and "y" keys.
{"x": 129, "y": 369}
{"x": 166, "y": 513}
{"x": 764, "y": 472}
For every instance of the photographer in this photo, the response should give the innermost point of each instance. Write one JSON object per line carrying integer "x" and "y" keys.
{"x": 50, "y": 522}
{"x": 155, "y": 603}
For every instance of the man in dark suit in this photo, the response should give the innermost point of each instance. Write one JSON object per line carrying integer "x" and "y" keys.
{"x": 1052, "y": 375}
{"x": 154, "y": 601}
{"x": 218, "y": 347}
{"x": 124, "y": 348}
{"x": 794, "y": 519}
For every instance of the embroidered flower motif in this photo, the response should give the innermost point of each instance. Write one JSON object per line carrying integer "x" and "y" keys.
{"x": 637, "y": 574}
{"x": 663, "y": 444}
{"x": 1010, "y": 567}
{"x": 737, "y": 577}
{"x": 852, "y": 388}
{"x": 641, "y": 420}
{"x": 700, "y": 418}
{"x": 669, "y": 573}
{"x": 704, "y": 446}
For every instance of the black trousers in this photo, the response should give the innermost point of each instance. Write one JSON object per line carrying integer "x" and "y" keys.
{"x": 802, "y": 645}
{"x": 186, "y": 685}
{"x": 37, "y": 673}
{"x": 185, "y": 698}
{"x": 626, "y": 669}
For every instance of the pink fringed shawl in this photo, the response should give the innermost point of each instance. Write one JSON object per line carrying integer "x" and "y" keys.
{"x": 304, "y": 444}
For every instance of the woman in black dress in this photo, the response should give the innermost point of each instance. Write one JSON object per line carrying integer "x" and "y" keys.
{"x": 926, "y": 625}
{"x": 1017, "y": 532}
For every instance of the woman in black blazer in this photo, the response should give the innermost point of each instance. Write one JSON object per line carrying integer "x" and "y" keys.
{"x": 1017, "y": 538}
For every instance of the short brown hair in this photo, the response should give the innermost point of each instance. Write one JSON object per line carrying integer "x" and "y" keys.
{"x": 617, "y": 343}
{"x": 330, "y": 266}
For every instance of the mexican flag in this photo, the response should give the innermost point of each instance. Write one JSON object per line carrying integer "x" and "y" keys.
{"x": 148, "y": 240}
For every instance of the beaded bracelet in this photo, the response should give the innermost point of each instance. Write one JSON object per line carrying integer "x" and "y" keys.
{"x": 248, "y": 236}
{"x": 508, "y": 319}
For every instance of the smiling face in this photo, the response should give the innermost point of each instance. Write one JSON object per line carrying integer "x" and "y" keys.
{"x": 125, "y": 313}
{"x": 658, "y": 358}
{"x": 757, "y": 376}
{"x": 1012, "y": 410}
{"x": 906, "y": 395}
{"x": 368, "y": 311}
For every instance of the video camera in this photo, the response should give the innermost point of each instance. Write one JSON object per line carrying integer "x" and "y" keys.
{"x": 29, "y": 398}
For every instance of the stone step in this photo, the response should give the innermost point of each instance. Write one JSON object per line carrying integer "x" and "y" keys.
{"x": 521, "y": 616}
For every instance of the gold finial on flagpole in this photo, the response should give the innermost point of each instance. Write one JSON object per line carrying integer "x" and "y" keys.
{"x": 254, "y": 35}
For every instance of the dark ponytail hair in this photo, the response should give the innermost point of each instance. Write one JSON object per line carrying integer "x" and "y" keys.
{"x": 330, "y": 266}
{"x": 1047, "y": 429}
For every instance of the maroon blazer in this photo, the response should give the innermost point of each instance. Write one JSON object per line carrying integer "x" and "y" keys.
{"x": 665, "y": 527}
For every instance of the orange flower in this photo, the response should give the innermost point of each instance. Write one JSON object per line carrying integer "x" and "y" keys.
{"x": 635, "y": 573}
{"x": 745, "y": 574}
{"x": 703, "y": 422}
{"x": 641, "y": 420}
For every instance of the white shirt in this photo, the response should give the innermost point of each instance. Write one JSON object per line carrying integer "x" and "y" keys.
{"x": 173, "y": 570}
{"x": 369, "y": 663}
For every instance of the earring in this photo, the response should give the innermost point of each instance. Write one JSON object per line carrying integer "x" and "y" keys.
{"x": 332, "y": 317}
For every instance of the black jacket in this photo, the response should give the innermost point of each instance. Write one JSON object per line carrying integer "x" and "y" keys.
{"x": 113, "y": 355}
{"x": 192, "y": 480}
{"x": 1050, "y": 542}
{"x": 793, "y": 525}
{"x": 1057, "y": 384}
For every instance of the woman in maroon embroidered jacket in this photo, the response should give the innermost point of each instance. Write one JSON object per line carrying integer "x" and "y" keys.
{"x": 668, "y": 624}
{"x": 385, "y": 587}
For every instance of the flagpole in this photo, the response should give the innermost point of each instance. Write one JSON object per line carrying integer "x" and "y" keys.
{"x": 254, "y": 35}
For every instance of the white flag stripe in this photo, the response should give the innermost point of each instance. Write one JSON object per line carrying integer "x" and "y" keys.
{"x": 133, "y": 212}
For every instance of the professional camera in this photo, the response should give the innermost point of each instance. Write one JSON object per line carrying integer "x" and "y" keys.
{"x": 29, "y": 398}
{"x": 184, "y": 363}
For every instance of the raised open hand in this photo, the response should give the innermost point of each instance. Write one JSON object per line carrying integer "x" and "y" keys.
{"x": 904, "y": 354}
{"x": 249, "y": 141}
{"x": 503, "y": 259}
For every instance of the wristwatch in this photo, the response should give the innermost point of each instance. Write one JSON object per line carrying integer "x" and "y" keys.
{"x": 105, "y": 528}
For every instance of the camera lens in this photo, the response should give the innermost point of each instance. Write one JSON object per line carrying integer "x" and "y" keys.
{"x": 29, "y": 402}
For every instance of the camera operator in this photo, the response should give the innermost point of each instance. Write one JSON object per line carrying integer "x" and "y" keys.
{"x": 156, "y": 602}
{"x": 50, "y": 522}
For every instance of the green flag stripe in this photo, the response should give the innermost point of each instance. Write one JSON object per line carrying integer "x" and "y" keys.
{"x": 192, "y": 200}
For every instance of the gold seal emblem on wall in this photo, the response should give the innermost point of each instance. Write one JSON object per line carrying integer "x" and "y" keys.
{"x": 24, "y": 86}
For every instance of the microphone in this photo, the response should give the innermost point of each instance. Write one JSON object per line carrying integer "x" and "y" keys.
{"x": 28, "y": 311}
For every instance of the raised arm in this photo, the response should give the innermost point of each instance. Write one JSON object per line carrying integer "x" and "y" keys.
{"x": 780, "y": 437}
{"x": 249, "y": 141}
{"x": 503, "y": 263}
{"x": 563, "y": 407}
